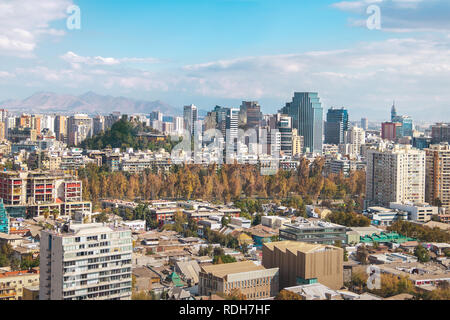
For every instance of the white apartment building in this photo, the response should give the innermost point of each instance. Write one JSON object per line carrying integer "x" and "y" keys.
{"x": 86, "y": 262}
{"x": 395, "y": 174}
{"x": 355, "y": 138}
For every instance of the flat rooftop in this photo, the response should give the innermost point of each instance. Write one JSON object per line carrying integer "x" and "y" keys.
{"x": 296, "y": 246}
{"x": 222, "y": 270}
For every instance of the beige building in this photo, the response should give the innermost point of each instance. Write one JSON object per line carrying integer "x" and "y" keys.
{"x": 438, "y": 174}
{"x": 395, "y": 175}
{"x": 12, "y": 283}
{"x": 297, "y": 143}
{"x": 305, "y": 263}
{"x": 253, "y": 281}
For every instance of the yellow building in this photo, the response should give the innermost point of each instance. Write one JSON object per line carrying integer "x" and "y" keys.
{"x": 13, "y": 283}
{"x": 253, "y": 281}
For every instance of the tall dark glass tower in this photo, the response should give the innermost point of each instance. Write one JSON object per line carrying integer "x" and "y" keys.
{"x": 307, "y": 117}
{"x": 336, "y": 125}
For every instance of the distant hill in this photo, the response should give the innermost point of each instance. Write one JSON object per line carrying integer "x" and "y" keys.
{"x": 90, "y": 102}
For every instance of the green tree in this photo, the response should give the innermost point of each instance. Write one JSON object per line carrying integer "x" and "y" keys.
{"x": 422, "y": 254}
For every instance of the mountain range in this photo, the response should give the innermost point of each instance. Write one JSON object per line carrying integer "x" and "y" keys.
{"x": 90, "y": 102}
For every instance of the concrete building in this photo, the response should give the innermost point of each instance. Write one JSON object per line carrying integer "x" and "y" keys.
{"x": 86, "y": 262}
{"x": 80, "y": 127}
{"x": 305, "y": 263}
{"x": 253, "y": 281}
{"x": 190, "y": 118}
{"x": 438, "y": 174}
{"x": 381, "y": 216}
{"x": 12, "y": 283}
{"x": 395, "y": 175}
{"x": 420, "y": 212}
{"x": 313, "y": 232}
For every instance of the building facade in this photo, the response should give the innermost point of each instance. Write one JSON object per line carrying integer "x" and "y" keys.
{"x": 86, "y": 262}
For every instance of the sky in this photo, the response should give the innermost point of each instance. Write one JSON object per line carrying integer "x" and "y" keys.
{"x": 221, "y": 52}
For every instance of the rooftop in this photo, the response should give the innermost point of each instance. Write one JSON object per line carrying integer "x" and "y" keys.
{"x": 297, "y": 246}
{"x": 222, "y": 270}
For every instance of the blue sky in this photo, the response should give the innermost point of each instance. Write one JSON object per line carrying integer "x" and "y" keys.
{"x": 210, "y": 52}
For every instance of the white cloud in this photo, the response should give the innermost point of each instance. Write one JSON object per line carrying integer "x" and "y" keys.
{"x": 23, "y": 22}
{"x": 75, "y": 60}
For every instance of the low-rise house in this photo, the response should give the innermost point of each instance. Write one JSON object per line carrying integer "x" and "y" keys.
{"x": 12, "y": 283}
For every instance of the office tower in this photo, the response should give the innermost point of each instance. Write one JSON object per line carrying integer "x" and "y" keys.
{"x": 336, "y": 125}
{"x": 438, "y": 174}
{"x": 365, "y": 124}
{"x": 253, "y": 281}
{"x": 395, "y": 175}
{"x": 85, "y": 262}
{"x": 4, "y": 219}
{"x": 389, "y": 130}
{"x": 190, "y": 118}
{"x": 274, "y": 143}
{"x": 79, "y": 128}
{"x": 393, "y": 112}
{"x": 440, "y": 132}
{"x": 307, "y": 117}
{"x": 285, "y": 129}
{"x": 355, "y": 137}
{"x": 61, "y": 128}
{"x": 305, "y": 263}
{"x": 297, "y": 143}
{"x": 250, "y": 114}
{"x": 231, "y": 129}
{"x": 99, "y": 124}
{"x": 211, "y": 121}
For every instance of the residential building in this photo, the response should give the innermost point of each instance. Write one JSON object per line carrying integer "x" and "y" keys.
{"x": 440, "y": 132}
{"x": 302, "y": 263}
{"x": 80, "y": 127}
{"x": 395, "y": 175}
{"x": 438, "y": 174}
{"x": 86, "y": 262}
{"x": 253, "y": 281}
{"x": 12, "y": 283}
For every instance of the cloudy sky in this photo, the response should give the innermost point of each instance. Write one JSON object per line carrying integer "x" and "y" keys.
{"x": 210, "y": 52}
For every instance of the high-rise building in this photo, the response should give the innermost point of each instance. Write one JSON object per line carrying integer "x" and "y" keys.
{"x": 395, "y": 175}
{"x": 61, "y": 128}
{"x": 297, "y": 143}
{"x": 305, "y": 263}
{"x": 307, "y": 117}
{"x": 99, "y": 124}
{"x": 336, "y": 126}
{"x": 438, "y": 174}
{"x": 156, "y": 115}
{"x": 250, "y": 114}
{"x": 389, "y": 130}
{"x": 79, "y": 128}
{"x": 190, "y": 118}
{"x": 440, "y": 133}
{"x": 4, "y": 219}
{"x": 365, "y": 123}
{"x": 355, "y": 137}
{"x": 285, "y": 129}
{"x": 178, "y": 125}
{"x": 85, "y": 262}
{"x": 393, "y": 112}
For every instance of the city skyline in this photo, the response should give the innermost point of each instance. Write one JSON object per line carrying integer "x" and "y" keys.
{"x": 282, "y": 49}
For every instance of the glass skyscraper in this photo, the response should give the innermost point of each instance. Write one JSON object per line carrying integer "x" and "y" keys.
{"x": 336, "y": 125}
{"x": 307, "y": 117}
{"x": 4, "y": 219}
